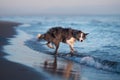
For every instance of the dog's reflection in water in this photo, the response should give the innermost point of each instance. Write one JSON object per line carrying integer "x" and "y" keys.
{"x": 64, "y": 69}
{"x": 51, "y": 65}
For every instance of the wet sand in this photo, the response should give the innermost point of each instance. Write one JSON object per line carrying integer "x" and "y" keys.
{"x": 6, "y": 31}
{"x": 11, "y": 70}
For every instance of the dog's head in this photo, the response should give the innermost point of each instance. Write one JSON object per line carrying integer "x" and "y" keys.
{"x": 80, "y": 36}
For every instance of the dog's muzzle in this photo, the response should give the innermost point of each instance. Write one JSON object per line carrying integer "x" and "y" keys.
{"x": 81, "y": 40}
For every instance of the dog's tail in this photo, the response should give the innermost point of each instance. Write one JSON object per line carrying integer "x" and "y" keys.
{"x": 40, "y": 36}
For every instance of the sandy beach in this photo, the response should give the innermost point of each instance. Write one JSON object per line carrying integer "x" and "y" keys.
{"x": 10, "y": 70}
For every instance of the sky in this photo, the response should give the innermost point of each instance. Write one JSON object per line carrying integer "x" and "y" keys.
{"x": 59, "y": 7}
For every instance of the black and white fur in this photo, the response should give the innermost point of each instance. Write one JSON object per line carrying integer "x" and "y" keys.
{"x": 69, "y": 36}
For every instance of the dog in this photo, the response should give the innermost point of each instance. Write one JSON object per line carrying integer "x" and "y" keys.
{"x": 56, "y": 35}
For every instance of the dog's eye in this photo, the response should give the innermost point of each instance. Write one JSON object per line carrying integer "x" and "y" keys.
{"x": 84, "y": 36}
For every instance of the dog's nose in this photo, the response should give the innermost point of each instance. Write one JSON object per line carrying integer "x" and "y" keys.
{"x": 81, "y": 40}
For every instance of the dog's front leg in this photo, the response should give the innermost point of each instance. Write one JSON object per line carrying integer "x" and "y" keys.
{"x": 71, "y": 49}
{"x": 71, "y": 45}
{"x": 70, "y": 42}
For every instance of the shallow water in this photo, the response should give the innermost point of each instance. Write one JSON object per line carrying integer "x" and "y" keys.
{"x": 53, "y": 68}
{"x": 99, "y": 53}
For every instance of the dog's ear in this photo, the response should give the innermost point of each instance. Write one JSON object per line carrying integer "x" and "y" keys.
{"x": 75, "y": 34}
{"x": 86, "y": 33}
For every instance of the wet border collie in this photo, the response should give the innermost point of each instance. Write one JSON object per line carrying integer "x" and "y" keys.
{"x": 56, "y": 35}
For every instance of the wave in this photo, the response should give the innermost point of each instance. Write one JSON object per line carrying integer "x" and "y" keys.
{"x": 96, "y": 21}
{"x": 80, "y": 58}
{"x": 97, "y": 63}
{"x": 103, "y": 23}
{"x": 25, "y": 25}
{"x": 74, "y": 24}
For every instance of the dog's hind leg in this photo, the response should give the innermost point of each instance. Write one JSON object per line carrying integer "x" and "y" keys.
{"x": 56, "y": 50}
{"x": 49, "y": 45}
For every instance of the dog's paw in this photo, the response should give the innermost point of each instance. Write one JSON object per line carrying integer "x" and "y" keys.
{"x": 50, "y": 46}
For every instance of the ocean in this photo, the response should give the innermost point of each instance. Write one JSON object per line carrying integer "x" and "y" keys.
{"x": 100, "y": 52}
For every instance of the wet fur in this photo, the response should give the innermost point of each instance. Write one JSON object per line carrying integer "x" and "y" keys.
{"x": 56, "y": 35}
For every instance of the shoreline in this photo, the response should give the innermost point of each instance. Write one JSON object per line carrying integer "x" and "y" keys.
{"x": 7, "y": 30}
{"x": 11, "y": 70}
{"x": 33, "y": 66}
{"x": 29, "y": 62}
{"x": 44, "y": 64}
